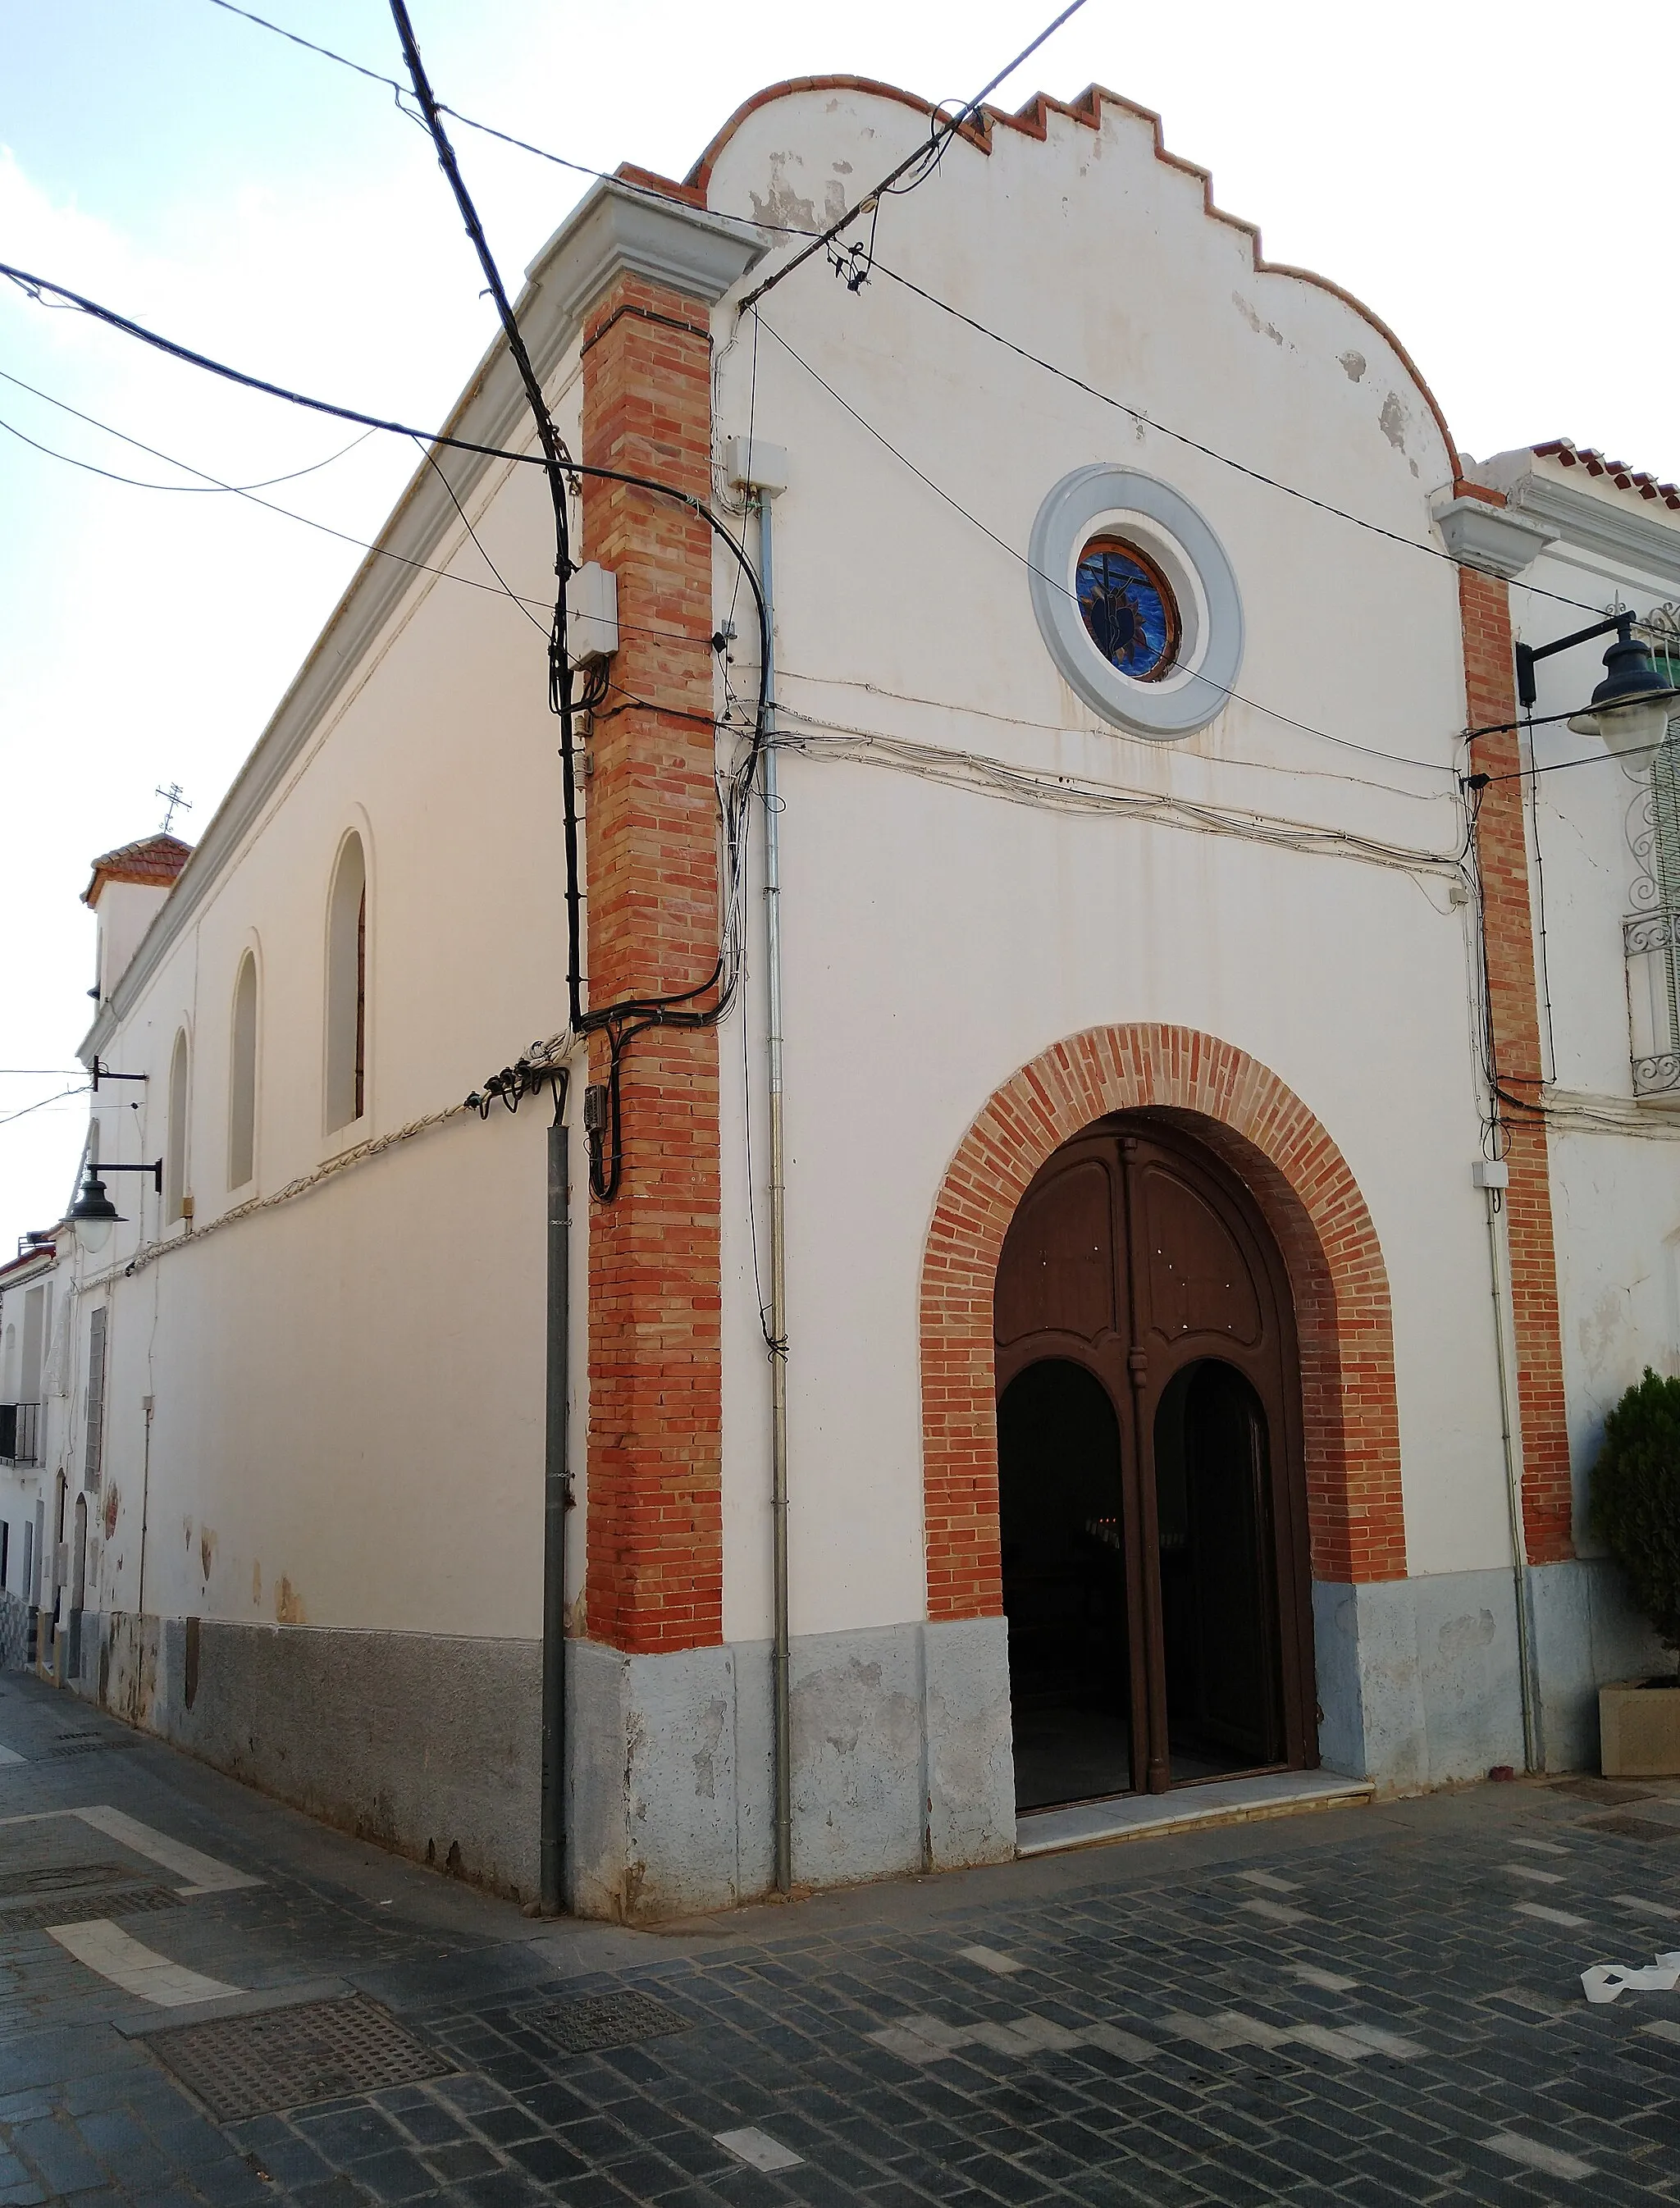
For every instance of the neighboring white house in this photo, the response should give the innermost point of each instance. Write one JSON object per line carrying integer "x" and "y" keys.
{"x": 1144, "y": 1275}
{"x": 1603, "y": 854}
{"x": 35, "y": 1322}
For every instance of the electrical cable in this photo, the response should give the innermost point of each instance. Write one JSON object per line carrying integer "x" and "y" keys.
{"x": 430, "y": 460}
{"x": 1236, "y": 696}
{"x": 41, "y": 1103}
{"x": 1196, "y": 445}
{"x": 1540, "y": 916}
{"x": 448, "y": 575}
{"x": 37, "y": 286}
{"x": 1073, "y": 794}
{"x": 820, "y": 238}
{"x": 286, "y": 512}
{"x": 208, "y": 489}
{"x": 489, "y": 131}
{"x": 622, "y": 1022}
{"x": 933, "y": 152}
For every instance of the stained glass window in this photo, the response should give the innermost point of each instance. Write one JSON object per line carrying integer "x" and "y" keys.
{"x": 1128, "y": 607}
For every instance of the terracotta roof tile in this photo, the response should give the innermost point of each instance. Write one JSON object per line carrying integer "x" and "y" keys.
{"x": 155, "y": 860}
{"x": 1568, "y": 454}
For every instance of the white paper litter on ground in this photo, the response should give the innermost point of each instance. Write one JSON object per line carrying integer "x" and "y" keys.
{"x": 1605, "y": 1980}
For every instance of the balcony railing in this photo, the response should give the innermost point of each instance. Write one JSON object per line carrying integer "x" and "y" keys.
{"x": 20, "y": 1433}
{"x": 1652, "y": 942}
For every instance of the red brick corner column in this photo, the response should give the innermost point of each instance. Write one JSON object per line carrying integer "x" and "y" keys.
{"x": 1508, "y": 925}
{"x": 655, "y": 1555}
{"x": 1312, "y": 1204}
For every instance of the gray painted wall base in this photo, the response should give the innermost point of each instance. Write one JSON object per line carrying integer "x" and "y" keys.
{"x": 431, "y": 1745}
{"x": 426, "y": 1743}
{"x": 1587, "y": 1634}
{"x": 1418, "y": 1679}
{"x": 901, "y": 1762}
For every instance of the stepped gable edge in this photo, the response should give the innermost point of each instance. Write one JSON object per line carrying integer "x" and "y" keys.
{"x": 1032, "y": 121}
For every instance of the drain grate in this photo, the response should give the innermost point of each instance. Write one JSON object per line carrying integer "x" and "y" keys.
{"x": 63, "y": 1878}
{"x": 578, "y": 2027}
{"x": 80, "y": 1908}
{"x": 1632, "y": 1829}
{"x": 75, "y": 1744}
{"x": 284, "y": 2058}
{"x": 1602, "y": 1790}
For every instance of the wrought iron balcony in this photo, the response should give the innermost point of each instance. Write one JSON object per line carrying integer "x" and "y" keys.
{"x": 20, "y": 1433}
{"x": 1651, "y": 941}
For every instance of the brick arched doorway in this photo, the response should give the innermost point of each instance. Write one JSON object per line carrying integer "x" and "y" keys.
{"x": 1306, "y": 1193}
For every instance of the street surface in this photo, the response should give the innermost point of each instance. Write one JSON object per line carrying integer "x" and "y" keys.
{"x": 205, "y": 1998}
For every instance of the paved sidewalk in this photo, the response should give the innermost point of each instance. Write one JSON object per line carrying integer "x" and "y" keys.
{"x": 1369, "y": 2005}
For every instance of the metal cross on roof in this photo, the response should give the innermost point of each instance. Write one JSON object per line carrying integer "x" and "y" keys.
{"x": 172, "y": 798}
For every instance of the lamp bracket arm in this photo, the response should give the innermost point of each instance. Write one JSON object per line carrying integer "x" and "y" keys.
{"x": 1528, "y": 655}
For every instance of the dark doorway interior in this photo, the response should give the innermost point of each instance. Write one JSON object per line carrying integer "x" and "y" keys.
{"x": 1218, "y": 1582}
{"x": 1064, "y": 1574}
{"x": 1152, "y": 1489}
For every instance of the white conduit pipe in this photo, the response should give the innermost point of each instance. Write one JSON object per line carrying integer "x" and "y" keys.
{"x": 1533, "y": 1751}
{"x": 762, "y": 498}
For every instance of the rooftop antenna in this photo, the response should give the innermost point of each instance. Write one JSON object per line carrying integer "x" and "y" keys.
{"x": 172, "y": 798}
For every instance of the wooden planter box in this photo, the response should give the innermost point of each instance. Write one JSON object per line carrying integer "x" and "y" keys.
{"x": 1639, "y": 1731}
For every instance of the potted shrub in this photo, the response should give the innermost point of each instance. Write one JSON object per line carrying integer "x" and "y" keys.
{"x": 1635, "y": 1512}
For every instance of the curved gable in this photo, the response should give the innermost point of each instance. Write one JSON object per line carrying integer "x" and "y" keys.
{"x": 1033, "y": 121}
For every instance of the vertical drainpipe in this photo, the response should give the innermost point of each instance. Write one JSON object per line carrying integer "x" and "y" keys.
{"x": 1534, "y": 1753}
{"x": 557, "y": 1501}
{"x": 762, "y": 499}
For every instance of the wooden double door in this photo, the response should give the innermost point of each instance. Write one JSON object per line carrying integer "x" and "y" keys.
{"x": 1151, "y": 1498}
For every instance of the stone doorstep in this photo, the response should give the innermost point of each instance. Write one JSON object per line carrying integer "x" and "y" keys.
{"x": 1190, "y": 1809}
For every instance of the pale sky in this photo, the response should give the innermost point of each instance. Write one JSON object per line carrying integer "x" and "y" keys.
{"x": 1488, "y": 178}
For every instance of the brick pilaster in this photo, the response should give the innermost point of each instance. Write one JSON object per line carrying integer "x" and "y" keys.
{"x": 1501, "y": 851}
{"x": 655, "y": 1532}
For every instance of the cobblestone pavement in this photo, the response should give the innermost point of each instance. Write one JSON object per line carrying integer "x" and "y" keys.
{"x": 1377, "y": 2006}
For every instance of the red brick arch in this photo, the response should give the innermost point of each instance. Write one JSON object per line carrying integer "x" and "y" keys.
{"x": 1313, "y": 1206}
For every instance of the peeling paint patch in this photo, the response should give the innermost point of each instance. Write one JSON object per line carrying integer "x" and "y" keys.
{"x": 705, "y": 1785}
{"x": 1392, "y": 421}
{"x": 288, "y": 1604}
{"x": 782, "y": 206}
{"x": 112, "y": 1505}
{"x": 256, "y": 1581}
{"x": 207, "y": 1551}
{"x": 1461, "y": 1636}
{"x": 1354, "y": 364}
{"x": 1251, "y": 314}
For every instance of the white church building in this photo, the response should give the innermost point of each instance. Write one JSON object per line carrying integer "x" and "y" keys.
{"x": 1145, "y": 1186}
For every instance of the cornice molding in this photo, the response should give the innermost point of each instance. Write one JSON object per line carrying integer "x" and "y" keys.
{"x": 1491, "y": 538}
{"x": 616, "y": 231}
{"x": 613, "y": 231}
{"x": 1594, "y": 525}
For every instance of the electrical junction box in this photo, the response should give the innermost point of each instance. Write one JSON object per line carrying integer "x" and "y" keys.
{"x": 755, "y": 465}
{"x": 591, "y": 613}
{"x": 1490, "y": 1173}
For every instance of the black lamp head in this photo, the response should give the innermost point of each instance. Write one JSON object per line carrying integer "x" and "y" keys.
{"x": 1630, "y": 673}
{"x": 92, "y": 1204}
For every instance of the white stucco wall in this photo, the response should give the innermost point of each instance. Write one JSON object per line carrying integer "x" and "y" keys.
{"x": 347, "y": 1388}
{"x": 1614, "y": 1162}
{"x": 936, "y": 940}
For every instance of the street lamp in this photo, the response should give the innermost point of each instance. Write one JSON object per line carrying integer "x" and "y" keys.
{"x": 93, "y": 1215}
{"x": 1630, "y": 709}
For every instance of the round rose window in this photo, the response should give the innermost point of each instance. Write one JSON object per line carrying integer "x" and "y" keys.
{"x": 1128, "y": 609}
